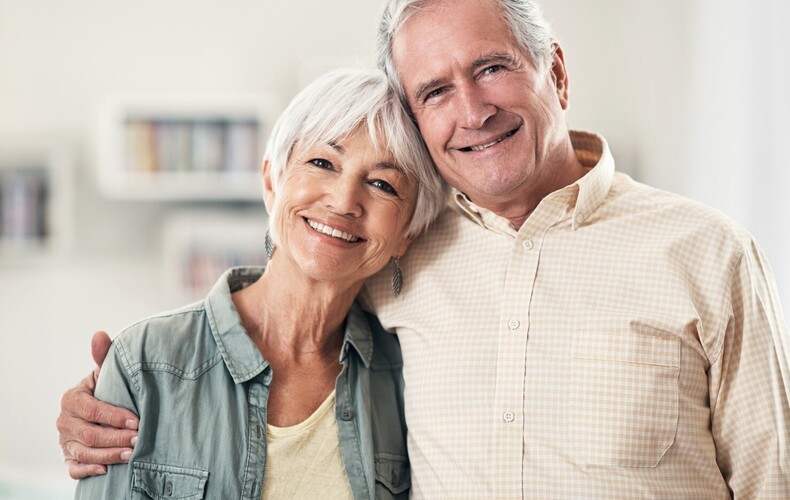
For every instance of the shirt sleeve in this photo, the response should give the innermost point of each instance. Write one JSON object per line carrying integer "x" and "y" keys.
{"x": 750, "y": 385}
{"x": 115, "y": 386}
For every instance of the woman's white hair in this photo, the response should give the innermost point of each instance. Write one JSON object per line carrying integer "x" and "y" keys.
{"x": 339, "y": 103}
{"x": 524, "y": 18}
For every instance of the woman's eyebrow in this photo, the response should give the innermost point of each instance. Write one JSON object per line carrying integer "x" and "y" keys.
{"x": 336, "y": 146}
{"x": 385, "y": 165}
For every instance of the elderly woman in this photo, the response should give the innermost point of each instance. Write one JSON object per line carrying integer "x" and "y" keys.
{"x": 278, "y": 384}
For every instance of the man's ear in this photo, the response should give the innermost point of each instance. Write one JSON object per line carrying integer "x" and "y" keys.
{"x": 268, "y": 188}
{"x": 559, "y": 74}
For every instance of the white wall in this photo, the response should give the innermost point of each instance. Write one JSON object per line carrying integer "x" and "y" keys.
{"x": 636, "y": 75}
{"x": 741, "y": 120}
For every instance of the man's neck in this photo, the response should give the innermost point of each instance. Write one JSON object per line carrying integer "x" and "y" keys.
{"x": 518, "y": 210}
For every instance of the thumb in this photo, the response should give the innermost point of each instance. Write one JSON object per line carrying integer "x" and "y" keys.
{"x": 100, "y": 345}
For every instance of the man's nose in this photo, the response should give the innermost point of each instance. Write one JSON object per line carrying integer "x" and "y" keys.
{"x": 473, "y": 107}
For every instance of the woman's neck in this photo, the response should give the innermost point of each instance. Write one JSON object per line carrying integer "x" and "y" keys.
{"x": 291, "y": 317}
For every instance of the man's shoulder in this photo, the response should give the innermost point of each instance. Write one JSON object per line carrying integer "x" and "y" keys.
{"x": 386, "y": 347}
{"x": 451, "y": 229}
{"x": 672, "y": 213}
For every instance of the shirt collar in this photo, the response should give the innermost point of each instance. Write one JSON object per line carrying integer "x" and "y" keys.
{"x": 358, "y": 335}
{"x": 241, "y": 355}
{"x": 581, "y": 198}
{"x": 239, "y": 352}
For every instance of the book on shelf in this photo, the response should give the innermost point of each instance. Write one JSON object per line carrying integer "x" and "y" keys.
{"x": 193, "y": 145}
{"x": 203, "y": 266}
{"x": 24, "y": 197}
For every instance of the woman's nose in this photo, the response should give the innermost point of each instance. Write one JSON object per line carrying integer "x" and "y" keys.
{"x": 344, "y": 196}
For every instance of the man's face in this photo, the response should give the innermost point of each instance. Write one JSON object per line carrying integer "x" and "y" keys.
{"x": 490, "y": 119}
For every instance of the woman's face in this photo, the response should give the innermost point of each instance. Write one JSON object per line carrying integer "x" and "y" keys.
{"x": 343, "y": 209}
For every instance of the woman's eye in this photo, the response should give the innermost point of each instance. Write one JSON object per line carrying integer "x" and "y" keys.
{"x": 321, "y": 163}
{"x": 384, "y": 186}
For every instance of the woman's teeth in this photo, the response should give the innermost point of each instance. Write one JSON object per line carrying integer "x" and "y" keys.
{"x": 330, "y": 231}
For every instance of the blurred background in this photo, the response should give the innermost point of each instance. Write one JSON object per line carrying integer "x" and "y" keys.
{"x": 130, "y": 135}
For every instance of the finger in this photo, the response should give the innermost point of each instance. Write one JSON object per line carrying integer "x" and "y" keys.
{"x": 80, "y": 403}
{"x": 100, "y": 345}
{"x": 107, "y": 414}
{"x": 75, "y": 451}
{"x": 76, "y": 430}
{"x": 81, "y": 471}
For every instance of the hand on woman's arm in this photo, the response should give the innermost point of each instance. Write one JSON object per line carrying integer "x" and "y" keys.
{"x": 88, "y": 444}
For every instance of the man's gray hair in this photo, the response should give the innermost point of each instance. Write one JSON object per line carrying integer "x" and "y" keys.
{"x": 527, "y": 24}
{"x": 342, "y": 102}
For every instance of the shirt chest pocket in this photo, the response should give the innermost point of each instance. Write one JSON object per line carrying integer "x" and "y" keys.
{"x": 165, "y": 482}
{"x": 393, "y": 478}
{"x": 624, "y": 397}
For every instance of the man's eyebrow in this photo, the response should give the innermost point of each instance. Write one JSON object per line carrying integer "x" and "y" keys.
{"x": 421, "y": 89}
{"x": 483, "y": 61}
{"x": 337, "y": 147}
{"x": 490, "y": 59}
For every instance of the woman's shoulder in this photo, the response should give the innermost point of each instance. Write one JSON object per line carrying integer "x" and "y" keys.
{"x": 179, "y": 340}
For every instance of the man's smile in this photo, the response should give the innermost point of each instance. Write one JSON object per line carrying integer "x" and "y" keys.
{"x": 481, "y": 147}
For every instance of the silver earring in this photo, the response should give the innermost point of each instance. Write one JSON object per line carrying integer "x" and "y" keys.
{"x": 397, "y": 278}
{"x": 269, "y": 244}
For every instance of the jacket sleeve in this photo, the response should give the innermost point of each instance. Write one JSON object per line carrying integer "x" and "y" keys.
{"x": 750, "y": 385}
{"x": 117, "y": 387}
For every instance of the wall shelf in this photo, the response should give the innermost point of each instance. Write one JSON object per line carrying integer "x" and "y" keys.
{"x": 35, "y": 206}
{"x": 200, "y": 245}
{"x": 179, "y": 148}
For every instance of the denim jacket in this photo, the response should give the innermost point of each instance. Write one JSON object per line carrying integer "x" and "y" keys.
{"x": 200, "y": 387}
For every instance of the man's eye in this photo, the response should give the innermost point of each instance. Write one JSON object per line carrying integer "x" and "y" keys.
{"x": 384, "y": 186}
{"x": 493, "y": 69}
{"x": 321, "y": 163}
{"x": 434, "y": 93}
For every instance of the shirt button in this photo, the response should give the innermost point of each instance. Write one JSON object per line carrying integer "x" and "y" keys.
{"x": 528, "y": 245}
{"x": 513, "y": 324}
{"x": 508, "y": 416}
{"x": 346, "y": 415}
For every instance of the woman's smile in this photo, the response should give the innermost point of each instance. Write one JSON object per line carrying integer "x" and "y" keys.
{"x": 331, "y": 231}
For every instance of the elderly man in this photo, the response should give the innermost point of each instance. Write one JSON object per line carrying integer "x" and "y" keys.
{"x": 567, "y": 332}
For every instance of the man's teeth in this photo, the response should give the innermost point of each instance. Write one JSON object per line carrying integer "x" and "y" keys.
{"x": 330, "y": 231}
{"x": 495, "y": 141}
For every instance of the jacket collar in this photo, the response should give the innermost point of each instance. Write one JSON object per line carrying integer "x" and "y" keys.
{"x": 239, "y": 352}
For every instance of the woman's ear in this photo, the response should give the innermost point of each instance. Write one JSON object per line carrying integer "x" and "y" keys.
{"x": 404, "y": 245}
{"x": 268, "y": 188}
